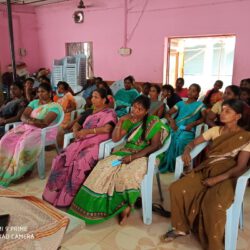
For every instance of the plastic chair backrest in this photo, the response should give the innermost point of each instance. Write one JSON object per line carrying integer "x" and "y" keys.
{"x": 80, "y": 102}
{"x": 117, "y": 86}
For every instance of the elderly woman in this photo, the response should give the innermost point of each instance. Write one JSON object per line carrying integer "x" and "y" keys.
{"x": 114, "y": 185}
{"x": 190, "y": 114}
{"x": 21, "y": 146}
{"x": 71, "y": 167}
{"x": 125, "y": 97}
{"x": 12, "y": 110}
{"x": 200, "y": 199}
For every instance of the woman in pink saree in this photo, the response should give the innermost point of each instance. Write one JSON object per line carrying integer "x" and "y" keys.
{"x": 72, "y": 166}
{"x": 21, "y": 146}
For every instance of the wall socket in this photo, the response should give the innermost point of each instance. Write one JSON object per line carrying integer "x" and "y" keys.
{"x": 125, "y": 51}
{"x": 22, "y": 52}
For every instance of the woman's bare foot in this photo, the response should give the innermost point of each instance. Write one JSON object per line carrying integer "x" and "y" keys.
{"x": 124, "y": 215}
{"x": 171, "y": 235}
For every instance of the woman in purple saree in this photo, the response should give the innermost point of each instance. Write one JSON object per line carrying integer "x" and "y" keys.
{"x": 72, "y": 166}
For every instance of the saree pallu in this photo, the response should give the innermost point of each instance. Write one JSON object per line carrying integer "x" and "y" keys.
{"x": 109, "y": 190}
{"x": 203, "y": 209}
{"x": 21, "y": 146}
{"x": 72, "y": 166}
{"x": 187, "y": 113}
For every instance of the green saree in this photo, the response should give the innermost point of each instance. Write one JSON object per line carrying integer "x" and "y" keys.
{"x": 109, "y": 190}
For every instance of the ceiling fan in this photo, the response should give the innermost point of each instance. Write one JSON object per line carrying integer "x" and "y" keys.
{"x": 82, "y": 5}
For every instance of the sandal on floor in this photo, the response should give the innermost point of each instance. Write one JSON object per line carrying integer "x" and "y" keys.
{"x": 157, "y": 208}
{"x": 170, "y": 236}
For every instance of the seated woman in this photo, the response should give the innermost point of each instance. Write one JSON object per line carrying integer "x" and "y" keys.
{"x": 245, "y": 95}
{"x": 231, "y": 92}
{"x": 21, "y": 146}
{"x": 213, "y": 95}
{"x": 145, "y": 88}
{"x": 111, "y": 190}
{"x": 104, "y": 85}
{"x": 179, "y": 90}
{"x": 190, "y": 114}
{"x": 168, "y": 96}
{"x": 200, "y": 199}
{"x": 12, "y": 110}
{"x": 156, "y": 106}
{"x": 125, "y": 97}
{"x": 71, "y": 167}
{"x": 68, "y": 103}
{"x": 29, "y": 91}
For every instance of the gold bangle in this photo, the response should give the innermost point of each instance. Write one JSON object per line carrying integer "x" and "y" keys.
{"x": 94, "y": 131}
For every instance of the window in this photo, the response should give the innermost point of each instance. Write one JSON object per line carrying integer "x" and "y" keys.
{"x": 201, "y": 60}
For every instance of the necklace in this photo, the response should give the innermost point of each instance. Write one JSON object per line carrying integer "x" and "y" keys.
{"x": 97, "y": 110}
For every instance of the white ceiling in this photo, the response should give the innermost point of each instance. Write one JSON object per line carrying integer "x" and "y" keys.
{"x": 33, "y": 2}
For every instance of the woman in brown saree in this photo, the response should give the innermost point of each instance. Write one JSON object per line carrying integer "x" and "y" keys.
{"x": 200, "y": 199}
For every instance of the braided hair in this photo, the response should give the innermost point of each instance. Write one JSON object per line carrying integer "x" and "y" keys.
{"x": 144, "y": 101}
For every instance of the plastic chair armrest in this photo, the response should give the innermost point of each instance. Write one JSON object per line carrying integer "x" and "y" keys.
{"x": 9, "y": 125}
{"x": 110, "y": 145}
{"x": 179, "y": 165}
{"x": 67, "y": 138}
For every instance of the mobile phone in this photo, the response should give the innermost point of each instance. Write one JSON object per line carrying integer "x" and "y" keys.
{"x": 116, "y": 163}
{"x": 4, "y": 220}
{"x": 182, "y": 127}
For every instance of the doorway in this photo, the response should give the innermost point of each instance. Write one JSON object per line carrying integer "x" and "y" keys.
{"x": 201, "y": 60}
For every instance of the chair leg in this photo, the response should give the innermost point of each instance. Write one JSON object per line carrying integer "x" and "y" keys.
{"x": 41, "y": 164}
{"x": 242, "y": 216}
{"x": 146, "y": 195}
{"x": 159, "y": 186}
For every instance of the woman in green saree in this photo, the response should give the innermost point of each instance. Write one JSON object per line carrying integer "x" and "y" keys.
{"x": 111, "y": 190}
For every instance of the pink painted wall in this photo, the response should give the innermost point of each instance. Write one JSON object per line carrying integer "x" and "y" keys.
{"x": 104, "y": 26}
{"x": 25, "y": 36}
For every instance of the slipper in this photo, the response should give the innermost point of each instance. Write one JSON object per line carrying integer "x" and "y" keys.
{"x": 170, "y": 236}
{"x": 157, "y": 208}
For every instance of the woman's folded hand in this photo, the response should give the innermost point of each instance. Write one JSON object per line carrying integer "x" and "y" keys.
{"x": 211, "y": 181}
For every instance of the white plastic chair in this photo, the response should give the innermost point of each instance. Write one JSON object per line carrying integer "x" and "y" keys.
{"x": 80, "y": 103}
{"x": 117, "y": 85}
{"x": 235, "y": 212}
{"x": 200, "y": 129}
{"x": 44, "y": 142}
{"x": 147, "y": 183}
{"x": 69, "y": 136}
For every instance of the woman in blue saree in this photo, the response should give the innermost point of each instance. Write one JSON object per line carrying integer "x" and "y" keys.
{"x": 190, "y": 113}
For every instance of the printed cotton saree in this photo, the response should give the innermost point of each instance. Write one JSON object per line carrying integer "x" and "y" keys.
{"x": 72, "y": 166}
{"x": 203, "y": 209}
{"x": 109, "y": 190}
{"x": 21, "y": 146}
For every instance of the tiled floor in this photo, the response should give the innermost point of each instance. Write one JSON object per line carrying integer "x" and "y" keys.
{"x": 134, "y": 235}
